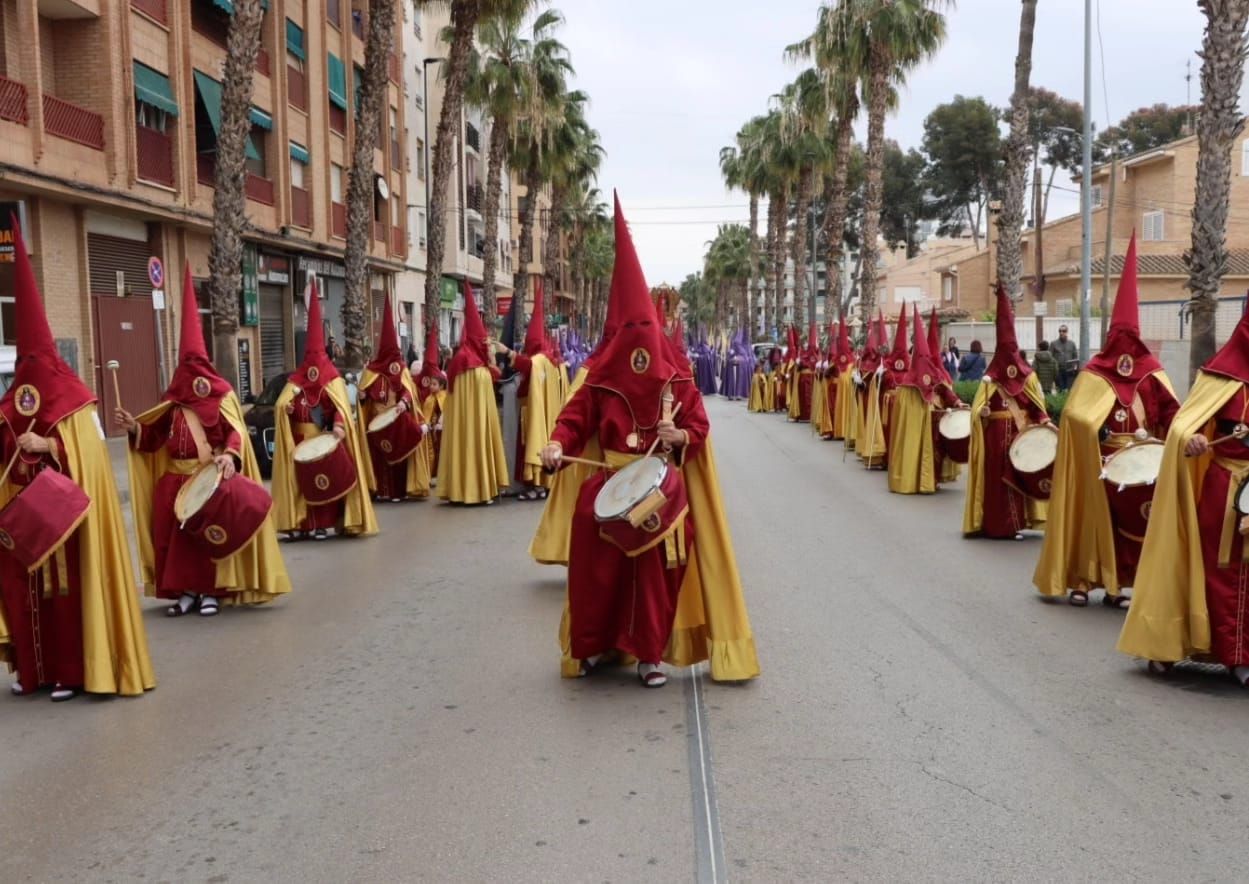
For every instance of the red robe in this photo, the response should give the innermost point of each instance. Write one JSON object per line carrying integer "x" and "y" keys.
{"x": 1005, "y": 509}
{"x": 182, "y": 566}
{"x": 806, "y": 387}
{"x": 43, "y": 609}
{"x": 1227, "y": 588}
{"x": 303, "y": 417}
{"x": 391, "y": 479}
{"x": 616, "y": 602}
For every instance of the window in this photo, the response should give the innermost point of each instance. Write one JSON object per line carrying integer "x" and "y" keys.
{"x": 420, "y": 227}
{"x": 1152, "y": 227}
{"x": 336, "y": 74}
{"x": 8, "y": 322}
{"x": 148, "y": 117}
{"x": 295, "y": 55}
{"x": 1095, "y": 196}
{"x": 420, "y": 159}
{"x": 947, "y": 288}
{"x": 416, "y": 19}
{"x": 258, "y": 143}
{"x": 334, "y": 13}
{"x": 336, "y": 183}
{"x": 418, "y": 89}
{"x": 396, "y": 211}
{"x": 297, "y": 172}
{"x": 153, "y": 99}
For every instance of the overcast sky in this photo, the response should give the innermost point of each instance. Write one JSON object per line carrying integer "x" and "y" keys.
{"x": 671, "y": 81}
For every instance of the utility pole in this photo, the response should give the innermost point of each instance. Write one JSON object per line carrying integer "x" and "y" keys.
{"x": 1086, "y": 188}
{"x": 1038, "y": 284}
{"x": 1110, "y": 235}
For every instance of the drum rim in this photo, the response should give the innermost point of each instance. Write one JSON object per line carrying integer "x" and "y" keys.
{"x": 177, "y": 501}
{"x": 663, "y": 474}
{"x": 329, "y": 452}
{"x": 392, "y": 412}
{"x": 951, "y": 413}
{"x": 1144, "y": 443}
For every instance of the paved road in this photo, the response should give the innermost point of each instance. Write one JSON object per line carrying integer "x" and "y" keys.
{"x": 922, "y": 716}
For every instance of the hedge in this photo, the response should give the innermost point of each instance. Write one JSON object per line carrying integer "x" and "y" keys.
{"x": 1054, "y": 402}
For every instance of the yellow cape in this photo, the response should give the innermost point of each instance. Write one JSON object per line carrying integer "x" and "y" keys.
{"x": 418, "y": 462}
{"x": 289, "y": 507}
{"x": 472, "y": 467}
{"x": 114, "y": 641}
{"x": 912, "y": 454}
{"x": 973, "y": 509}
{"x": 1079, "y": 547}
{"x": 711, "y": 621}
{"x": 846, "y": 409}
{"x": 1168, "y": 620}
{"x": 540, "y": 409}
{"x": 792, "y": 402}
{"x": 758, "y": 393}
{"x": 256, "y": 574}
{"x": 869, "y": 434}
{"x": 431, "y": 408}
{"x": 578, "y": 379}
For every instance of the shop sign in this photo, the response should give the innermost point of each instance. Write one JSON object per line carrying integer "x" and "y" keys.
{"x": 8, "y": 236}
{"x": 250, "y": 300}
{"x": 245, "y": 367}
{"x": 450, "y": 289}
{"x": 274, "y": 269}
{"x": 321, "y": 267}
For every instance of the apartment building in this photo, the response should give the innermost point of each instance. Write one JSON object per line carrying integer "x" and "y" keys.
{"x": 108, "y": 120}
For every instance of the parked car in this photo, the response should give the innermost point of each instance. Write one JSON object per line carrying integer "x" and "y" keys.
{"x": 258, "y": 416}
{"x": 8, "y": 357}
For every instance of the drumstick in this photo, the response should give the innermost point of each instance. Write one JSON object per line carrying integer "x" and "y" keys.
{"x": 16, "y": 454}
{"x": 564, "y": 458}
{"x": 112, "y": 365}
{"x": 670, "y": 417}
{"x": 1240, "y": 432}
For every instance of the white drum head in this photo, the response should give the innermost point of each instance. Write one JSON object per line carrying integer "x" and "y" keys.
{"x": 1034, "y": 449}
{"x": 195, "y": 493}
{"x": 955, "y": 424}
{"x": 315, "y": 448}
{"x": 1242, "y": 499}
{"x": 1138, "y": 464}
{"x": 628, "y": 486}
{"x": 384, "y": 420}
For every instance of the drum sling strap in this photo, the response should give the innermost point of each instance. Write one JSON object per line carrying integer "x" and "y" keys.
{"x": 1016, "y": 413}
{"x": 203, "y": 450}
{"x": 1138, "y": 411}
{"x": 1238, "y": 471}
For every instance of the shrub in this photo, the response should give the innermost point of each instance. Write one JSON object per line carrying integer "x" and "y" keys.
{"x": 1054, "y": 402}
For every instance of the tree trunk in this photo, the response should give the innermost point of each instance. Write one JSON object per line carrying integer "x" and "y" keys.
{"x": 528, "y": 216}
{"x": 360, "y": 186}
{"x": 464, "y": 14}
{"x": 496, "y": 157}
{"x": 225, "y": 255}
{"x": 1219, "y": 125}
{"x": 878, "y": 104}
{"x": 835, "y": 210}
{"x": 769, "y": 279}
{"x": 550, "y": 238}
{"x": 1018, "y": 150}
{"x": 751, "y": 287}
{"x": 802, "y": 288}
{"x": 778, "y": 255}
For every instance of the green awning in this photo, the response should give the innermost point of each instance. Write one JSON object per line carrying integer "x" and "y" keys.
{"x": 152, "y": 87}
{"x": 210, "y": 94}
{"x": 295, "y": 40}
{"x": 228, "y": 5}
{"x": 261, "y": 119}
{"x": 338, "y": 81}
{"x": 300, "y": 153}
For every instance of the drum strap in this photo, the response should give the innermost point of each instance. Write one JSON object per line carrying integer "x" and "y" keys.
{"x": 1238, "y": 471}
{"x": 202, "y": 448}
{"x": 1016, "y": 413}
{"x": 1138, "y": 411}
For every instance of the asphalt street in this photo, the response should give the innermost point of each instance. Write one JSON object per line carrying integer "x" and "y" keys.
{"x": 922, "y": 716}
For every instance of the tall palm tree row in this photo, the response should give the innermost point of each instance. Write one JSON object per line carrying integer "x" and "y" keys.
{"x": 1018, "y": 153}
{"x": 574, "y": 158}
{"x": 728, "y": 268}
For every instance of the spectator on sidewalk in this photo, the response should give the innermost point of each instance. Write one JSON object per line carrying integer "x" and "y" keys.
{"x": 971, "y": 366}
{"x": 1046, "y": 367}
{"x": 950, "y": 358}
{"x": 1067, "y": 355}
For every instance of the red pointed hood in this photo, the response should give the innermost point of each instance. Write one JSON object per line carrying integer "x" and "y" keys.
{"x": 845, "y": 353}
{"x": 1125, "y": 360}
{"x": 1008, "y": 369}
{"x": 196, "y": 384}
{"x": 899, "y": 357}
{"x": 934, "y": 345}
{"x": 387, "y": 360}
{"x": 611, "y": 322}
{"x": 813, "y": 343}
{"x": 870, "y": 358}
{"x": 1232, "y": 360}
{"x": 316, "y": 371}
{"x": 925, "y": 371}
{"x": 429, "y": 363}
{"x": 535, "y": 335}
{"x": 474, "y": 351}
{"x": 791, "y": 344}
{"x": 45, "y": 389}
{"x": 638, "y": 362}
{"x": 677, "y": 336}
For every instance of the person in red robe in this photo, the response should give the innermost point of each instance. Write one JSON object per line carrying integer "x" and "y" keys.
{"x": 896, "y": 365}
{"x": 431, "y": 385}
{"x": 638, "y": 394}
{"x": 70, "y": 622}
{"x": 540, "y": 394}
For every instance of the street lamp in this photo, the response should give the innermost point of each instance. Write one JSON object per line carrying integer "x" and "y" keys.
{"x": 1086, "y": 189}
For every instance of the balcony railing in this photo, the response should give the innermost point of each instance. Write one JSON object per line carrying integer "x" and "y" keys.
{"x": 13, "y": 101}
{"x": 259, "y": 189}
{"x": 379, "y": 231}
{"x": 392, "y": 67}
{"x": 296, "y": 88}
{"x": 156, "y": 9}
{"x": 396, "y": 155}
{"x": 338, "y": 220}
{"x": 472, "y": 137}
{"x": 73, "y": 123}
{"x": 263, "y": 62}
{"x": 398, "y": 241}
{"x": 476, "y": 197}
{"x": 301, "y": 207}
{"x": 155, "y": 155}
{"x": 338, "y": 119}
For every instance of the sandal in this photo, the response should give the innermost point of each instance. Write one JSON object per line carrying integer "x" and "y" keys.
{"x": 1078, "y": 598}
{"x": 60, "y": 693}
{"x": 208, "y": 606}
{"x": 651, "y": 675}
{"x": 1122, "y": 602}
{"x": 17, "y": 690}
{"x": 183, "y": 605}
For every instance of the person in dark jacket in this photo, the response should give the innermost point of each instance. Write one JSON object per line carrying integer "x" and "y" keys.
{"x": 971, "y": 367}
{"x": 950, "y": 357}
{"x": 1046, "y": 367}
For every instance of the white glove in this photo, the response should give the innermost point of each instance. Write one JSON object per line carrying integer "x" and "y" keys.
{"x": 424, "y": 430}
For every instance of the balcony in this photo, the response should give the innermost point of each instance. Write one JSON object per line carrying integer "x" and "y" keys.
{"x": 259, "y": 189}
{"x": 472, "y": 137}
{"x": 379, "y": 231}
{"x": 297, "y": 88}
{"x": 13, "y": 101}
{"x": 398, "y": 241}
{"x": 301, "y": 208}
{"x": 338, "y": 220}
{"x": 155, "y": 156}
{"x": 73, "y": 123}
{"x": 263, "y": 62}
{"x": 153, "y": 9}
{"x": 476, "y": 197}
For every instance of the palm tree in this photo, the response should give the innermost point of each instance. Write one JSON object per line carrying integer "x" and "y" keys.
{"x": 882, "y": 40}
{"x": 742, "y": 170}
{"x": 727, "y": 266}
{"x": 573, "y": 160}
{"x": 584, "y": 209}
{"x": 1018, "y": 153}
{"x": 600, "y": 257}
{"x": 779, "y": 170}
{"x": 360, "y": 185}
{"x": 501, "y": 84}
{"x": 225, "y": 255}
{"x": 465, "y": 16}
{"x": 1219, "y": 125}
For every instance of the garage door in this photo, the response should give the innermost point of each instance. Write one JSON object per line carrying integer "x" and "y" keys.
{"x": 273, "y": 332}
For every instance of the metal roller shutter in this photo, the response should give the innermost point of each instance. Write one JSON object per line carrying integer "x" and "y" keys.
{"x": 106, "y": 255}
{"x": 272, "y": 332}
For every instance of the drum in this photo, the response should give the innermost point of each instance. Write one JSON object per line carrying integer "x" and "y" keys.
{"x": 395, "y": 435}
{"x": 223, "y": 515}
{"x": 1032, "y": 457}
{"x": 41, "y": 517}
{"x": 640, "y": 505}
{"x": 1130, "y": 474}
{"x": 324, "y": 469}
{"x": 954, "y": 434}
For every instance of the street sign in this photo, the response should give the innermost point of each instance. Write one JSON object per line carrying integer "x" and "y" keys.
{"x": 155, "y": 272}
{"x": 158, "y": 299}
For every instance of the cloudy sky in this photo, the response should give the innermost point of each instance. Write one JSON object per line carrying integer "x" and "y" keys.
{"x": 671, "y": 81}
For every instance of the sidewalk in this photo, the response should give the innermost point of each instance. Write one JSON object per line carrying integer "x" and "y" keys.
{"x": 121, "y": 471}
